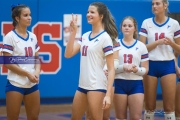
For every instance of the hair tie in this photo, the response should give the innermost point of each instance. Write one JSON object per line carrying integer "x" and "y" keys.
{"x": 14, "y": 5}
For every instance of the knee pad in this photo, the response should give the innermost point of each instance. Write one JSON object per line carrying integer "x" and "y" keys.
{"x": 169, "y": 116}
{"x": 148, "y": 115}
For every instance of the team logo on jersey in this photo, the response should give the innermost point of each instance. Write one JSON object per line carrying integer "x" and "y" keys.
{"x": 96, "y": 40}
{"x": 168, "y": 26}
{"x": 137, "y": 48}
{"x": 31, "y": 39}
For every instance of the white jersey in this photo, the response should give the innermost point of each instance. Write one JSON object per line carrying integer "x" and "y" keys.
{"x": 134, "y": 54}
{"x": 154, "y": 31}
{"x": 18, "y": 46}
{"x": 93, "y": 52}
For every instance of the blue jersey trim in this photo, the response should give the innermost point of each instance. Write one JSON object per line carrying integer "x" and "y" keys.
{"x": 25, "y": 39}
{"x": 128, "y": 46}
{"x": 161, "y": 24}
{"x": 95, "y": 36}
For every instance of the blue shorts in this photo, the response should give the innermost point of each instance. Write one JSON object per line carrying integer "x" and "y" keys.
{"x": 24, "y": 91}
{"x": 128, "y": 87}
{"x": 161, "y": 68}
{"x": 85, "y": 91}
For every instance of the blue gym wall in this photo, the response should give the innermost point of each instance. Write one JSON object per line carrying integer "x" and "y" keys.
{"x": 61, "y": 82}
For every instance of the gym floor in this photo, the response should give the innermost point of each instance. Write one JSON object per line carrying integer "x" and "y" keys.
{"x": 63, "y": 112}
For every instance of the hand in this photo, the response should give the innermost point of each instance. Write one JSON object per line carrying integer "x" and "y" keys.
{"x": 160, "y": 41}
{"x": 73, "y": 24}
{"x": 36, "y": 74}
{"x": 32, "y": 78}
{"x": 135, "y": 68}
{"x": 106, "y": 102}
{"x": 106, "y": 73}
{"x": 128, "y": 67}
{"x": 168, "y": 41}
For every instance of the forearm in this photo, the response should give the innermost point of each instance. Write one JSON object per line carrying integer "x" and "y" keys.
{"x": 70, "y": 44}
{"x": 16, "y": 69}
{"x": 176, "y": 48}
{"x": 176, "y": 60}
{"x": 38, "y": 68}
{"x": 111, "y": 74}
{"x": 120, "y": 69}
{"x": 151, "y": 46}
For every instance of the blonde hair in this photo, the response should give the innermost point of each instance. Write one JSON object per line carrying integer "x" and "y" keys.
{"x": 167, "y": 10}
{"x": 135, "y": 35}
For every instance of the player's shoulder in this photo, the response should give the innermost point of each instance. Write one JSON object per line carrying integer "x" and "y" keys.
{"x": 9, "y": 34}
{"x": 86, "y": 33}
{"x": 173, "y": 20}
{"x": 104, "y": 35}
{"x": 141, "y": 43}
{"x": 147, "y": 20}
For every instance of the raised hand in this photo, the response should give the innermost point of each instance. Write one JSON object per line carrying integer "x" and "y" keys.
{"x": 73, "y": 24}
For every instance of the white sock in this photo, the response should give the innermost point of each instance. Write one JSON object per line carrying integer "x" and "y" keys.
{"x": 177, "y": 118}
{"x": 169, "y": 116}
{"x": 148, "y": 115}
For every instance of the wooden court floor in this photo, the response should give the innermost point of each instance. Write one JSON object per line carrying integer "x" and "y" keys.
{"x": 63, "y": 112}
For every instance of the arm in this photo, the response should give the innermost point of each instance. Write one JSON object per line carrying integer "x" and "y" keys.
{"x": 37, "y": 67}
{"x": 175, "y": 45}
{"x": 176, "y": 64}
{"x": 143, "y": 69}
{"x": 111, "y": 73}
{"x": 72, "y": 48}
{"x": 150, "y": 46}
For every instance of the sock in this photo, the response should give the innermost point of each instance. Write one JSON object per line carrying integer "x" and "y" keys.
{"x": 148, "y": 115}
{"x": 169, "y": 116}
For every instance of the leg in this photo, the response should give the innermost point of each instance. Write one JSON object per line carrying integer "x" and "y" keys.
{"x": 135, "y": 103}
{"x": 150, "y": 87}
{"x": 32, "y": 105}
{"x": 177, "y": 101}
{"x": 95, "y": 106}
{"x": 79, "y": 105}
{"x": 168, "y": 85}
{"x": 13, "y": 104}
{"x": 88, "y": 116}
{"x": 120, "y": 105}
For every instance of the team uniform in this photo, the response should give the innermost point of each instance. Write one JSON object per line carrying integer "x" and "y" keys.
{"x": 162, "y": 56}
{"x": 125, "y": 82}
{"x": 18, "y": 46}
{"x": 93, "y": 52}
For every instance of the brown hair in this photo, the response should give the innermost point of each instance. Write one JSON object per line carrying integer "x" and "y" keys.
{"x": 108, "y": 20}
{"x": 16, "y": 12}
